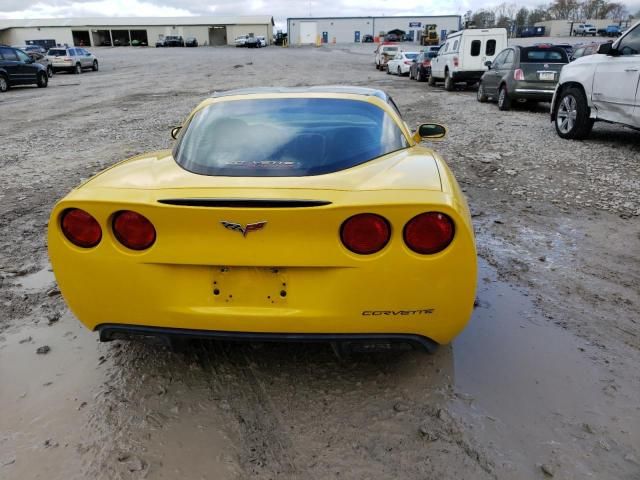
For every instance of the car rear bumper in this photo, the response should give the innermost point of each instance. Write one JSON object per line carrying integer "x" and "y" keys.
{"x": 167, "y": 336}
{"x": 532, "y": 93}
{"x": 467, "y": 75}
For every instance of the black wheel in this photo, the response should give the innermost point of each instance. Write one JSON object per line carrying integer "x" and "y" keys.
{"x": 388, "y": 70}
{"x": 504, "y": 102}
{"x": 399, "y": 72}
{"x": 43, "y": 80}
{"x": 377, "y": 67}
{"x": 481, "y": 96}
{"x": 572, "y": 115}
{"x": 78, "y": 69}
{"x": 49, "y": 71}
{"x": 410, "y": 75}
{"x": 4, "y": 83}
{"x": 448, "y": 82}
{"x": 95, "y": 66}
{"x": 432, "y": 81}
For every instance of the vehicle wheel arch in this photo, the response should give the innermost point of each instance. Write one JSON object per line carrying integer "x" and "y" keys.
{"x": 566, "y": 86}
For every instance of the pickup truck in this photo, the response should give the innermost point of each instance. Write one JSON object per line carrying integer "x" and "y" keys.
{"x": 610, "y": 31}
{"x": 584, "y": 29}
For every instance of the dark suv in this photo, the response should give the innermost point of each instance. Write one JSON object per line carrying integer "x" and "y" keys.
{"x": 17, "y": 68}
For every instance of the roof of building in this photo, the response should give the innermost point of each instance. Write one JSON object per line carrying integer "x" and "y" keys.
{"x": 134, "y": 21}
{"x": 389, "y": 17}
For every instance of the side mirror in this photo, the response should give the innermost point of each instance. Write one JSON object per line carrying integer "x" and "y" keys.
{"x": 175, "y": 131}
{"x": 430, "y": 131}
{"x": 488, "y": 64}
{"x": 607, "y": 49}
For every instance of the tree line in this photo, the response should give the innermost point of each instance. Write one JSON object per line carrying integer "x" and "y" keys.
{"x": 509, "y": 15}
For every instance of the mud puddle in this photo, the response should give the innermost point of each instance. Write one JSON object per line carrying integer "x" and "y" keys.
{"x": 39, "y": 280}
{"x": 538, "y": 396}
{"x": 522, "y": 391}
{"x": 43, "y": 398}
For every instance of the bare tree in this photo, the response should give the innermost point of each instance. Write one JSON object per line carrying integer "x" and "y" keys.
{"x": 483, "y": 19}
{"x": 618, "y": 11}
{"x": 521, "y": 17}
{"x": 566, "y": 9}
{"x": 540, "y": 14}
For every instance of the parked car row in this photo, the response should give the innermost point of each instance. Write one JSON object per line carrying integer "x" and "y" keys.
{"x": 594, "y": 82}
{"x": 19, "y": 67}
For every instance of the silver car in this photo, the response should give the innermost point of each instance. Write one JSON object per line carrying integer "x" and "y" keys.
{"x": 71, "y": 59}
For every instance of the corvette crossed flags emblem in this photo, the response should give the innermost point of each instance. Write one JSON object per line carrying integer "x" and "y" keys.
{"x": 249, "y": 227}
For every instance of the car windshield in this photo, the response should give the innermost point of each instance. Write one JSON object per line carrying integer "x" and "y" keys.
{"x": 542, "y": 55}
{"x": 410, "y": 56}
{"x": 57, "y": 52}
{"x": 287, "y": 137}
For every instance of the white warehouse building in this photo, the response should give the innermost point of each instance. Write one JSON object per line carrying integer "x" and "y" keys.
{"x": 103, "y": 31}
{"x": 312, "y": 30}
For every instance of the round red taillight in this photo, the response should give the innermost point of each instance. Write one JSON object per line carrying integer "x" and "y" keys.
{"x": 133, "y": 230}
{"x": 429, "y": 232}
{"x": 81, "y": 228}
{"x": 365, "y": 233}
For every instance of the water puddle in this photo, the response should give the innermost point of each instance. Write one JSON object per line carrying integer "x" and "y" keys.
{"x": 539, "y": 396}
{"x": 42, "y": 399}
{"x": 40, "y": 280}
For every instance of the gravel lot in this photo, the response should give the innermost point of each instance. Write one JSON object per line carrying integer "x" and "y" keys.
{"x": 544, "y": 382}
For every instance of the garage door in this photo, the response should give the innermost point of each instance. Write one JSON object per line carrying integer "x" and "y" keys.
{"x": 308, "y": 32}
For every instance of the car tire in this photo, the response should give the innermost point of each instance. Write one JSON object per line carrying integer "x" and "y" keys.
{"x": 504, "y": 102}
{"x": 432, "y": 81}
{"x": 95, "y": 67}
{"x": 448, "y": 82}
{"x": 481, "y": 96}
{"x": 388, "y": 70}
{"x": 43, "y": 80}
{"x": 77, "y": 69}
{"x": 49, "y": 71}
{"x": 399, "y": 72}
{"x": 572, "y": 119}
{"x": 4, "y": 84}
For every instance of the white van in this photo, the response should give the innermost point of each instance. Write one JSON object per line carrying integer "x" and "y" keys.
{"x": 463, "y": 56}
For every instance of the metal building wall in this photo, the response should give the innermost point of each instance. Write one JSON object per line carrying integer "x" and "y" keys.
{"x": 343, "y": 29}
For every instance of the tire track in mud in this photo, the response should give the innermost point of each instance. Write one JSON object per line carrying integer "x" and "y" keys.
{"x": 267, "y": 450}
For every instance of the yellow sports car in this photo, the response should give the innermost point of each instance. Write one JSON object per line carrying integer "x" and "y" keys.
{"x": 304, "y": 214}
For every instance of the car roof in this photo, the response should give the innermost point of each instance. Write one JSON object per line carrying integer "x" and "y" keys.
{"x": 368, "y": 92}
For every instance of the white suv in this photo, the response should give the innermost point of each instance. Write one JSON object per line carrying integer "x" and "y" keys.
{"x": 603, "y": 87}
{"x": 585, "y": 29}
{"x": 71, "y": 59}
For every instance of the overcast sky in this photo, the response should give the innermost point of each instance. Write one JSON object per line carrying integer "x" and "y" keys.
{"x": 280, "y": 9}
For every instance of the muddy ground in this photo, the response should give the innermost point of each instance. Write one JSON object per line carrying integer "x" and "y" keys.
{"x": 543, "y": 383}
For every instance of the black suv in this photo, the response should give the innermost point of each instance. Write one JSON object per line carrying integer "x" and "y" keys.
{"x": 18, "y": 68}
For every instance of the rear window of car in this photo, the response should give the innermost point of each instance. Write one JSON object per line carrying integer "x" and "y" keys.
{"x": 288, "y": 137}
{"x": 55, "y": 52}
{"x": 542, "y": 55}
{"x": 475, "y": 48}
{"x": 411, "y": 56}
{"x": 389, "y": 49}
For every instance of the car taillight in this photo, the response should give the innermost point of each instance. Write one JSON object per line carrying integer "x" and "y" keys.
{"x": 365, "y": 233}
{"x": 429, "y": 232}
{"x": 455, "y": 61}
{"x": 518, "y": 74}
{"x": 81, "y": 228}
{"x": 133, "y": 230}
